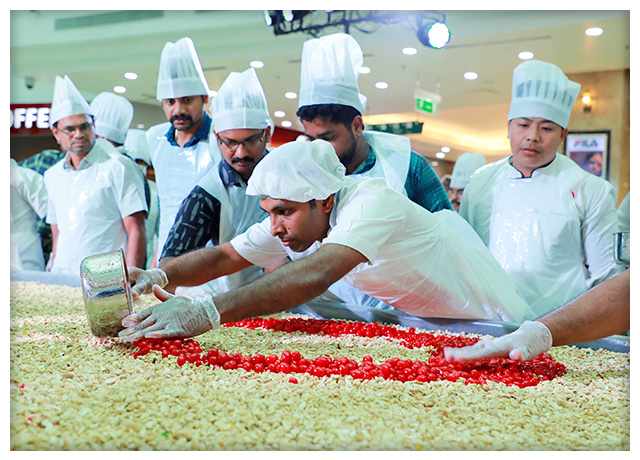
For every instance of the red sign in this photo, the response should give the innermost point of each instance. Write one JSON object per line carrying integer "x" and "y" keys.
{"x": 30, "y": 118}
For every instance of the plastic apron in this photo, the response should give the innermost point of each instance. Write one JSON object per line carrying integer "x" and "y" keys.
{"x": 238, "y": 212}
{"x": 177, "y": 171}
{"x": 393, "y": 156}
{"x": 535, "y": 235}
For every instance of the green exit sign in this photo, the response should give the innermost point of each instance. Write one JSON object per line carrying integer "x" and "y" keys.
{"x": 427, "y": 106}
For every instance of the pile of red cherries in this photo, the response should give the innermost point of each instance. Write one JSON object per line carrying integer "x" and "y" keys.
{"x": 436, "y": 367}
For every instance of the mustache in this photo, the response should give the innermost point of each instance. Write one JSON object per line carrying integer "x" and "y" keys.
{"x": 242, "y": 160}
{"x": 183, "y": 117}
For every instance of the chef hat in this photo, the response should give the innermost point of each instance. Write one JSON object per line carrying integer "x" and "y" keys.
{"x": 180, "y": 72}
{"x": 136, "y": 145}
{"x": 240, "y": 103}
{"x": 329, "y": 72}
{"x": 465, "y": 166}
{"x": 67, "y": 101}
{"x": 542, "y": 90}
{"x": 298, "y": 171}
{"x": 113, "y": 116}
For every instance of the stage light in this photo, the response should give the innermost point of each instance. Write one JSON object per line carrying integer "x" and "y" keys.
{"x": 434, "y": 34}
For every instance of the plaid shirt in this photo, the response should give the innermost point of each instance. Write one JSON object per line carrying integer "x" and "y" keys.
{"x": 422, "y": 185}
{"x": 42, "y": 161}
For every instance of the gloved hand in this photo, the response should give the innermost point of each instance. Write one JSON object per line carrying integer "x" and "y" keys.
{"x": 527, "y": 342}
{"x": 176, "y": 317}
{"x": 142, "y": 281}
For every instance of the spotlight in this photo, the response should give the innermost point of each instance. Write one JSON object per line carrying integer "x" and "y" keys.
{"x": 287, "y": 15}
{"x": 434, "y": 34}
{"x": 267, "y": 18}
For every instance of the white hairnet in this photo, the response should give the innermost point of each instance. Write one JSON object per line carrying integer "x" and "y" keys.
{"x": 329, "y": 72}
{"x": 180, "y": 72}
{"x": 298, "y": 171}
{"x": 542, "y": 90}
{"x": 464, "y": 167}
{"x": 113, "y": 116}
{"x": 67, "y": 101}
{"x": 136, "y": 145}
{"x": 240, "y": 103}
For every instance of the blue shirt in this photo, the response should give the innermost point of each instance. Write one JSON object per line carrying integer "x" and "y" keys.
{"x": 201, "y": 134}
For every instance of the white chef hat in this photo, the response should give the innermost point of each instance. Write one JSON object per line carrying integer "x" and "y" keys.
{"x": 240, "y": 103}
{"x": 329, "y": 72}
{"x": 113, "y": 116}
{"x": 67, "y": 101}
{"x": 541, "y": 89}
{"x": 464, "y": 167}
{"x": 298, "y": 171}
{"x": 136, "y": 145}
{"x": 180, "y": 72}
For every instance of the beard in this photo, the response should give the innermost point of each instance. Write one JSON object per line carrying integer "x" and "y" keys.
{"x": 349, "y": 154}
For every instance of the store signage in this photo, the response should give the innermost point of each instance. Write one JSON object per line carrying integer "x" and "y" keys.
{"x": 411, "y": 127}
{"x": 30, "y": 118}
{"x": 427, "y": 102}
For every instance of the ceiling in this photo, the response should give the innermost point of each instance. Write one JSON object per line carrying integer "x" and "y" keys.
{"x": 95, "y": 50}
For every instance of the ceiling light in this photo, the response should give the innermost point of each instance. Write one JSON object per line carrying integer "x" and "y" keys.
{"x": 434, "y": 34}
{"x": 212, "y": 93}
{"x": 470, "y": 75}
{"x": 364, "y": 69}
{"x": 446, "y": 149}
{"x": 130, "y": 75}
{"x": 434, "y": 163}
{"x": 286, "y": 124}
{"x": 279, "y": 113}
{"x": 119, "y": 89}
{"x": 267, "y": 17}
{"x": 440, "y": 155}
{"x": 593, "y": 31}
{"x": 409, "y": 51}
{"x": 257, "y": 64}
{"x": 290, "y": 95}
{"x": 382, "y": 85}
{"x": 287, "y": 15}
{"x": 525, "y": 55}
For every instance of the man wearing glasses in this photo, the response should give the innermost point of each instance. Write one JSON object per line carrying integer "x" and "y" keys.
{"x": 218, "y": 209}
{"x": 96, "y": 196}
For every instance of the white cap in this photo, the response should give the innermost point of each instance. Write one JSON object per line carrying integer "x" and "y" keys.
{"x": 67, "y": 101}
{"x": 298, "y": 171}
{"x": 329, "y": 72}
{"x": 180, "y": 72}
{"x": 465, "y": 166}
{"x": 542, "y": 90}
{"x": 136, "y": 145}
{"x": 240, "y": 103}
{"x": 113, "y": 116}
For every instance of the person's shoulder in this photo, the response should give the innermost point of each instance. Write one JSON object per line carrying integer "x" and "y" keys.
{"x": 488, "y": 171}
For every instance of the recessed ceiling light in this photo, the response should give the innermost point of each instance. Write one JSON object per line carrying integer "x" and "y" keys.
{"x": 140, "y": 126}
{"x": 279, "y": 113}
{"x": 440, "y": 155}
{"x": 434, "y": 163}
{"x": 524, "y": 55}
{"x": 286, "y": 124}
{"x": 364, "y": 69}
{"x": 119, "y": 89}
{"x": 257, "y": 64}
{"x": 290, "y": 95}
{"x": 470, "y": 75}
{"x": 446, "y": 149}
{"x": 593, "y": 31}
{"x": 382, "y": 85}
{"x": 409, "y": 51}
{"x": 130, "y": 75}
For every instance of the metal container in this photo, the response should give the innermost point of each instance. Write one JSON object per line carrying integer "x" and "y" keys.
{"x": 622, "y": 248}
{"x": 107, "y": 292}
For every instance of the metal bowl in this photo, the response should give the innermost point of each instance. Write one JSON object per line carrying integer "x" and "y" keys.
{"x": 622, "y": 248}
{"x": 107, "y": 292}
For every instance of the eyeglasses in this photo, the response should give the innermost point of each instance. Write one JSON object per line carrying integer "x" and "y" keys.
{"x": 71, "y": 130}
{"x": 248, "y": 143}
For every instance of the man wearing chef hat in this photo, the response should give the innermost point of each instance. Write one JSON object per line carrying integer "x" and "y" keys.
{"x": 331, "y": 108}
{"x": 180, "y": 151}
{"x": 377, "y": 239}
{"x": 96, "y": 196}
{"x": 218, "y": 208}
{"x": 548, "y": 222}
{"x": 464, "y": 167}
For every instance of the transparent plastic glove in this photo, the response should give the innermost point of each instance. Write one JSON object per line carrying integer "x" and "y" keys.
{"x": 527, "y": 342}
{"x": 142, "y": 281}
{"x": 176, "y": 317}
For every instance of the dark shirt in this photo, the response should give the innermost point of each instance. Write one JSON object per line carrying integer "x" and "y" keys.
{"x": 201, "y": 135}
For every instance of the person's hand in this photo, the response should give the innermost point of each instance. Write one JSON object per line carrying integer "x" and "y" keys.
{"x": 527, "y": 342}
{"x": 142, "y": 281}
{"x": 176, "y": 317}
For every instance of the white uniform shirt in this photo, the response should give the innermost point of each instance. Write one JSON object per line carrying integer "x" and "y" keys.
{"x": 416, "y": 262}
{"x": 553, "y": 232}
{"x": 28, "y": 200}
{"x": 88, "y": 205}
